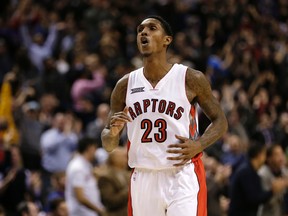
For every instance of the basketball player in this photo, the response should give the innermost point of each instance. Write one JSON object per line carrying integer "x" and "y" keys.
{"x": 155, "y": 102}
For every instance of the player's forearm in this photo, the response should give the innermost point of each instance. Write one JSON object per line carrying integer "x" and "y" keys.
{"x": 109, "y": 142}
{"x": 213, "y": 132}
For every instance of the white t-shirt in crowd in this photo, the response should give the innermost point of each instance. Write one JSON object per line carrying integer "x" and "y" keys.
{"x": 80, "y": 174}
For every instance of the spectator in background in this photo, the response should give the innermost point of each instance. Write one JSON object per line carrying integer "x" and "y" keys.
{"x": 53, "y": 82}
{"x": 96, "y": 13}
{"x": 67, "y": 41}
{"x": 246, "y": 191}
{"x": 49, "y": 104}
{"x": 234, "y": 151}
{"x": 35, "y": 190}
{"x": 114, "y": 184}
{"x": 274, "y": 168}
{"x": 13, "y": 182}
{"x": 27, "y": 208}
{"x": 77, "y": 56}
{"x": 58, "y": 144}
{"x": 57, "y": 188}
{"x": 236, "y": 127}
{"x": 218, "y": 62}
{"x": 95, "y": 128}
{"x": 5, "y": 59}
{"x": 82, "y": 193}
{"x": 58, "y": 207}
{"x": 281, "y": 131}
{"x": 217, "y": 178}
{"x": 244, "y": 118}
{"x": 38, "y": 45}
{"x": 87, "y": 113}
{"x": 245, "y": 67}
{"x": 8, "y": 131}
{"x": 264, "y": 127}
{"x": 31, "y": 129}
{"x": 90, "y": 81}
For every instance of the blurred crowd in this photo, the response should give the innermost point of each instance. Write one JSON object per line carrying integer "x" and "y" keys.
{"x": 59, "y": 60}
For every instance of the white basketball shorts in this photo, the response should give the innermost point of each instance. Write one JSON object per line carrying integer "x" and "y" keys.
{"x": 170, "y": 192}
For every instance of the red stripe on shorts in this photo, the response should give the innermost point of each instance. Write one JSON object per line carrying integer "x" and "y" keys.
{"x": 129, "y": 207}
{"x": 130, "y": 210}
{"x": 199, "y": 170}
{"x": 202, "y": 193}
{"x": 193, "y": 124}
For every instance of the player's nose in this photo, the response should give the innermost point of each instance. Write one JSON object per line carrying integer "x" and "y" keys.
{"x": 144, "y": 32}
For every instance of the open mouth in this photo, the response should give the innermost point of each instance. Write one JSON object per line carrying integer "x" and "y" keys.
{"x": 144, "y": 41}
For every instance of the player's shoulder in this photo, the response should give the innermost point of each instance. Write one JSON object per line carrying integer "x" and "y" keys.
{"x": 195, "y": 78}
{"x": 196, "y": 82}
{"x": 122, "y": 82}
{"x": 122, "y": 85}
{"x": 194, "y": 74}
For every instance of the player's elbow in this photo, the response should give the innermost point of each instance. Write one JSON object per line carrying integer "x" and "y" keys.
{"x": 108, "y": 145}
{"x": 108, "y": 148}
{"x": 222, "y": 124}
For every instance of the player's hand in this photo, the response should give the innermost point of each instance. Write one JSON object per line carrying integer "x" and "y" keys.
{"x": 185, "y": 150}
{"x": 118, "y": 121}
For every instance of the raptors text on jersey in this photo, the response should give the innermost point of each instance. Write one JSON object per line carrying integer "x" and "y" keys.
{"x": 158, "y": 114}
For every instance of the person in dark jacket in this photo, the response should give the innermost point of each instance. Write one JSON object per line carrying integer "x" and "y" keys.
{"x": 246, "y": 191}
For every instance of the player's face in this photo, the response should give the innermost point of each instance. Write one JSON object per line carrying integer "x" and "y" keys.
{"x": 151, "y": 37}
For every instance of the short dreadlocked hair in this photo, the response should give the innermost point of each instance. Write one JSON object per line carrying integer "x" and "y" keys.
{"x": 165, "y": 25}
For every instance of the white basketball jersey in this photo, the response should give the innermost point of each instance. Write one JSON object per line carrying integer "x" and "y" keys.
{"x": 158, "y": 114}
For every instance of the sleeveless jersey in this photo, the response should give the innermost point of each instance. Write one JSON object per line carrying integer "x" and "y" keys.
{"x": 158, "y": 114}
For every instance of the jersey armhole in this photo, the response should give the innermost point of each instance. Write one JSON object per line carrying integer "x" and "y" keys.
{"x": 185, "y": 69}
{"x": 128, "y": 87}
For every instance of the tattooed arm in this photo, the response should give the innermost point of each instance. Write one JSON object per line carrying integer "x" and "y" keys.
{"x": 199, "y": 91}
{"x": 117, "y": 117}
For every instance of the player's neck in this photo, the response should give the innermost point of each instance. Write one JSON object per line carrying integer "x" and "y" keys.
{"x": 155, "y": 68}
{"x": 155, "y": 74}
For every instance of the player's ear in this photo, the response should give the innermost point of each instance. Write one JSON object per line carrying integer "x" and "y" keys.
{"x": 168, "y": 40}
